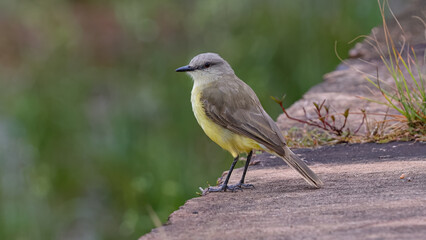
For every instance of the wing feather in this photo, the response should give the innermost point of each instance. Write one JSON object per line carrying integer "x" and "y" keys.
{"x": 233, "y": 105}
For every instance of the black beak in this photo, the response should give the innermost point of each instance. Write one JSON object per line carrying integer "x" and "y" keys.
{"x": 185, "y": 69}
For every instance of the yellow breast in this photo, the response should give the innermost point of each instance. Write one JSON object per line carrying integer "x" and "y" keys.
{"x": 232, "y": 142}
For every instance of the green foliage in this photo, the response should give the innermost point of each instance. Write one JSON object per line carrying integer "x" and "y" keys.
{"x": 408, "y": 101}
{"x": 97, "y": 135}
{"x": 408, "y": 95}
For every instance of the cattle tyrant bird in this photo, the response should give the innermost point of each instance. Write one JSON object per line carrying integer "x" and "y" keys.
{"x": 231, "y": 115}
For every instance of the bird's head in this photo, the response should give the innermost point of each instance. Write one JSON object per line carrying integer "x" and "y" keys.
{"x": 207, "y": 66}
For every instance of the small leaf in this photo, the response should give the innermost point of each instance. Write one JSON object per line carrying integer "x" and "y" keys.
{"x": 276, "y": 100}
{"x": 333, "y": 118}
{"x": 346, "y": 114}
{"x": 316, "y": 105}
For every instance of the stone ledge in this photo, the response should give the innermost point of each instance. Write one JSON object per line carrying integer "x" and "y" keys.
{"x": 363, "y": 197}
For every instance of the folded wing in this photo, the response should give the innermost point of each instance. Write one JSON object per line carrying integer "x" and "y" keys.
{"x": 233, "y": 105}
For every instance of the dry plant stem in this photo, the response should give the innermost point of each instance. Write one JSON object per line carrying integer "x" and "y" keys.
{"x": 364, "y": 118}
{"x": 300, "y": 120}
{"x": 324, "y": 119}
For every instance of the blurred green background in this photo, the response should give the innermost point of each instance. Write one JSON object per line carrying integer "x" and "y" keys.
{"x": 97, "y": 136}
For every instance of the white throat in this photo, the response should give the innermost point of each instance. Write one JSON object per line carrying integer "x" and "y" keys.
{"x": 202, "y": 78}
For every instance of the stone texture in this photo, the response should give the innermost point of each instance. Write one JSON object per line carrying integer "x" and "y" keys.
{"x": 363, "y": 198}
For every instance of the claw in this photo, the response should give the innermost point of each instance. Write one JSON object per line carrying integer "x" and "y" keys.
{"x": 220, "y": 188}
{"x": 247, "y": 186}
{"x": 224, "y": 188}
{"x": 241, "y": 186}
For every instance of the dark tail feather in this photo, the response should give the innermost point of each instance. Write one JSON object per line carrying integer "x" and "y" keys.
{"x": 297, "y": 164}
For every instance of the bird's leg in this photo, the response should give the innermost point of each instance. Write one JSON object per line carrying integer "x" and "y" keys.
{"x": 241, "y": 184}
{"x": 224, "y": 185}
{"x": 246, "y": 167}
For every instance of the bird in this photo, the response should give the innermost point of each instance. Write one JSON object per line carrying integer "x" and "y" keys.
{"x": 231, "y": 115}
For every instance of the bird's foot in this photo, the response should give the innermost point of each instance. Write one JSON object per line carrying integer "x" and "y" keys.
{"x": 224, "y": 188}
{"x": 240, "y": 186}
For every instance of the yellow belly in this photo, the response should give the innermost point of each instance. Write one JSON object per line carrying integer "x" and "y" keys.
{"x": 232, "y": 142}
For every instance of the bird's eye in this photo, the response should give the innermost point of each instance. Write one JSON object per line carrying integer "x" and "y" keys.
{"x": 207, "y": 64}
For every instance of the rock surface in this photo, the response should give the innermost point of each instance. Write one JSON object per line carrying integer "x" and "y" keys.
{"x": 363, "y": 198}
